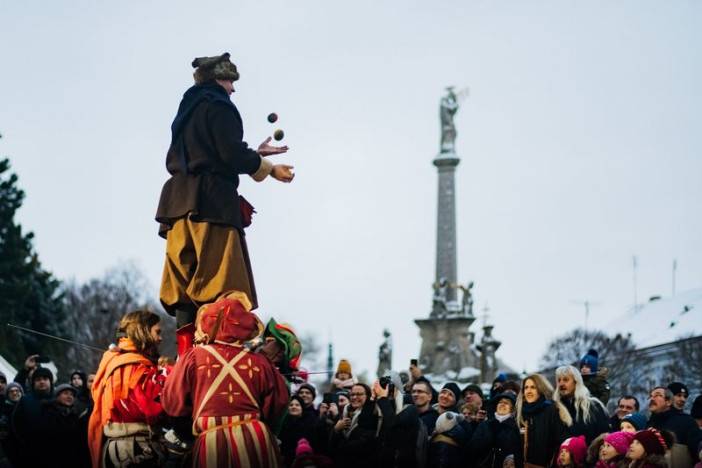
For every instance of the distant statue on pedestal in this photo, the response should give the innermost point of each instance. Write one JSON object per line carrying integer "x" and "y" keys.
{"x": 385, "y": 354}
{"x": 467, "y": 299}
{"x": 440, "y": 297}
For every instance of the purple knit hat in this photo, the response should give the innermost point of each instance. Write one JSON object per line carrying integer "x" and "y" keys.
{"x": 620, "y": 441}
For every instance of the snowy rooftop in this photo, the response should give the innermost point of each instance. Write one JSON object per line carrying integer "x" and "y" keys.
{"x": 662, "y": 320}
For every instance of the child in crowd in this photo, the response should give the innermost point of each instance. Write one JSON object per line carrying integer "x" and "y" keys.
{"x": 572, "y": 452}
{"x": 632, "y": 423}
{"x": 648, "y": 448}
{"x": 612, "y": 453}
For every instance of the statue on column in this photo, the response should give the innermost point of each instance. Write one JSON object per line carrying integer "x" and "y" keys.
{"x": 385, "y": 354}
{"x": 467, "y": 299}
{"x": 440, "y": 297}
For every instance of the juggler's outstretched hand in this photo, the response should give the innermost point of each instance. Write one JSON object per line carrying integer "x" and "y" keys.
{"x": 283, "y": 173}
{"x": 266, "y": 149}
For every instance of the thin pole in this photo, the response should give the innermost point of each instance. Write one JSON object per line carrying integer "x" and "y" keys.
{"x": 675, "y": 269}
{"x": 636, "y": 299}
{"x": 29, "y": 330}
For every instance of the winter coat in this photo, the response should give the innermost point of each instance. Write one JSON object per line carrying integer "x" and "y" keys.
{"x": 31, "y": 426}
{"x": 68, "y": 442}
{"x": 206, "y": 156}
{"x": 9, "y": 445}
{"x": 597, "y": 424}
{"x": 400, "y": 446}
{"x": 493, "y": 441}
{"x": 429, "y": 418}
{"x": 598, "y": 385}
{"x": 545, "y": 427}
{"x": 359, "y": 446}
{"x": 294, "y": 428}
{"x": 682, "y": 425}
{"x": 651, "y": 461}
{"x": 445, "y": 449}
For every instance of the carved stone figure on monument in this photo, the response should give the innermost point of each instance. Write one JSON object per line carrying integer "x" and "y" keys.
{"x": 385, "y": 354}
{"x": 447, "y": 109}
{"x": 440, "y": 297}
{"x": 467, "y": 299}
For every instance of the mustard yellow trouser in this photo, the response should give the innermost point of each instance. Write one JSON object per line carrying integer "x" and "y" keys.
{"x": 203, "y": 260}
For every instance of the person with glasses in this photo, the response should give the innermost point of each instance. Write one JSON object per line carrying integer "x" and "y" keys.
{"x": 665, "y": 417}
{"x": 421, "y": 397}
{"x": 354, "y": 440}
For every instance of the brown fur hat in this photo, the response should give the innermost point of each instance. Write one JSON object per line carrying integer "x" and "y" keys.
{"x": 214, "y": 68}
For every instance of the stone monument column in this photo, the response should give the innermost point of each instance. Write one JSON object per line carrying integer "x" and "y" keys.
{"x": 446, "y": 223}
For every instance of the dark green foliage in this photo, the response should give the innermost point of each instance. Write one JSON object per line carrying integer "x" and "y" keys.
{"x": 29, "y": 295}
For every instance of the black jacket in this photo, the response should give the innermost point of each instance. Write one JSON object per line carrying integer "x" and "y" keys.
{"x": 597, "y": 424}
{"x": 682, "y": 425}
{"x": 545, "y": 432}
{"x": 360, "y": 448}
{"x": 206, "y": 156}
{"x": 399, "y": 447}
{"x": 493, "y": 441}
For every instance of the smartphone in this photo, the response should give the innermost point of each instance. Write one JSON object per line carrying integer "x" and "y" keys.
{"x": 330, "y": 398}
{"x": 413, "y": 362}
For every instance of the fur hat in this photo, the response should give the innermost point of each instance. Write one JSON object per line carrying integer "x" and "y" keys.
{"x": 344, "y": 367}
{"x": 453, "y": 388}
{"x": 620, "y": 441}
{"x": 678, "y": 387}
{"x": 652, "y": 441}
{"x": 696, "y": 411}
{"x": 447, "y": 421}
{"x": 637, "y": 420}
{"x": 577, "y": 448}
{"x": 218, "y": 67}
{"x": 590, "y": 360}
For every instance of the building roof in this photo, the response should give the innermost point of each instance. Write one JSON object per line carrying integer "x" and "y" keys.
{"x": 662, "y": 320}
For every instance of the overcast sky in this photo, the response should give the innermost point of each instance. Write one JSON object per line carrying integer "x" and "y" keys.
{"x": 580, "y": 146}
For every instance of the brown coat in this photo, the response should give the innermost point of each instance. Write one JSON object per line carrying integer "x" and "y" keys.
{"x": 205, "y": 179}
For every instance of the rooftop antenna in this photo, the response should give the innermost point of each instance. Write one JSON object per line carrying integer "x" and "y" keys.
{"x": 675, "y": 269}
{"x": 635, "y": 266}
{"x": 587, "y": 305}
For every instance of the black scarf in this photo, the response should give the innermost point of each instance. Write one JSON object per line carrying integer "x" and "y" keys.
{"x": 529, "y": 409}
{"x": 209, "y": 91}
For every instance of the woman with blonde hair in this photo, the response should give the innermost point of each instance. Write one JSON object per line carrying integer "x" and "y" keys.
{"x": 543, "y": 423}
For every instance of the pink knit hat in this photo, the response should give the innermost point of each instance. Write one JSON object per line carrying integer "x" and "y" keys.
{"x": 303, "y": 448}
{"x": 577, "y": 448}
{"x": 620, "y": 441}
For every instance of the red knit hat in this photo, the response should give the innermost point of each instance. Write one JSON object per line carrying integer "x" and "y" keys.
{"x": 577, "y": 448}
{"x": 620, "y": 441}
{"x": 652, "y": 441}
{"x": 303, "y": 448}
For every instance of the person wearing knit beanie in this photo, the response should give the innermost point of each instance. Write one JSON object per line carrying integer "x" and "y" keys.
{"x": 588, "y": 363}
{"x": 14, "y": 392}
{"x": 572, "y": 452}
{"x": 633, "y": 422}
{"x": 449, "y": 396}
{"x": 648, "y": 449}
{"x": 614, "y": 449}
{"x": 343, "y": 378}
{"x": 303, "y": 448}
{"x": 680, "y": 394}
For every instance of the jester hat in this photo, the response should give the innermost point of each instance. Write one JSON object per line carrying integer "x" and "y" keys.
{"x": 284, "y": 334}
{"x": 228, "y": 320}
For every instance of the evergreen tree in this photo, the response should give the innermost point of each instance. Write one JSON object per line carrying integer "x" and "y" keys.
{"x": 29, "y": 295}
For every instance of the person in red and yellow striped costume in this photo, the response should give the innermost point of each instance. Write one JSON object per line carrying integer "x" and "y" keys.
{"x": 232, "y": 394}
